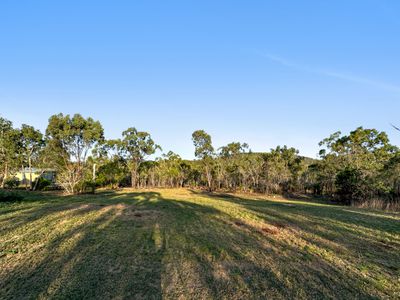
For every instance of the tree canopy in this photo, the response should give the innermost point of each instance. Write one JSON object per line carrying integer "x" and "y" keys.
{"x": 357, "y": 167}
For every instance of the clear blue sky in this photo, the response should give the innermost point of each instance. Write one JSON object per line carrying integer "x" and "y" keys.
{"x": 261, "y": 72}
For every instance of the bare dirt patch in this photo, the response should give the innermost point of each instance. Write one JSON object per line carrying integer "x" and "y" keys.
{"x": 261, "y": 227}
{"x": 270, "y": 230}
{"x": 238, "y": 223}
{"x": 132, "y": 213}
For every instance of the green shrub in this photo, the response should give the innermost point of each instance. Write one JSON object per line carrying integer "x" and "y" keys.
{"x": 11, "y": 183}
{"x": 42, "y": 184}
{"x": 7, "y": 196}
{"x": 87, "y": 187}
{"x": 353, "y": 187}
{"x": 52, "y": 187}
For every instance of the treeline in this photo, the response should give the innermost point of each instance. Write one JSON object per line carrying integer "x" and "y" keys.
{"x": 361, "y": 167}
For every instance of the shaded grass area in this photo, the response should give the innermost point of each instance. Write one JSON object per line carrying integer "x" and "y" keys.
{"x": 188, "y": 244}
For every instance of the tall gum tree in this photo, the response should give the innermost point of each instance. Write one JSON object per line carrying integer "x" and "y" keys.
{"x": 230, "y": 165}
{"x": 205, "y": 152}
{"x": 71, "y": 139}
{"x": 32, "y": 141}
{"x": 10, "y": 149}
{"x": 357, "y": 161}
{"x": 134, "y": 147}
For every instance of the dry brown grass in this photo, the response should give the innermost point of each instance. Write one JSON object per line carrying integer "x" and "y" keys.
{"x": 379, "y": 204}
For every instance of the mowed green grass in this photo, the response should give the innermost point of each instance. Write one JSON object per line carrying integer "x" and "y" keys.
{"x": 191, "y": 245}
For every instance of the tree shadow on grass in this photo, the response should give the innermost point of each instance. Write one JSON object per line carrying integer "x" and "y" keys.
{"x": 124, "y": 246}
{"x": 113, "y": 250}
{"x": 44, "y": 205}
{"x": 235, "y": 261}
{"x": 359, "y": 240}
{"x": 317, "y": 209}
{"x": 141, "y": 245}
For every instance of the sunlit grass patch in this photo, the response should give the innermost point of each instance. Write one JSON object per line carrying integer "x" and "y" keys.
{"x": 178, "y": 243}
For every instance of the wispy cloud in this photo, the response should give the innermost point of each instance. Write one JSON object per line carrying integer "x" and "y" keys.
{"x": 339, "y": 75}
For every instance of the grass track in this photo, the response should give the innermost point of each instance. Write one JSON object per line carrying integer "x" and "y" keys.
{"x": 187, "y": 244}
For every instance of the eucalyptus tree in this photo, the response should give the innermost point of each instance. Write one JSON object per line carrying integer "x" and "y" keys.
{"x": 10, "y": 149}
{"x": 252, "y": 171}
{"x": 357, "y": 159}
{"x": 230, "y": 165}
{"x": 170, "y": 170}
{"x": 281, "y": 169}
{"x": 71, "y": 139}
{"x": 361, "y": 149}
{"x": 205, "y": 152}
{"x": 233, "y": 149}
{"x": 390, "y": 176}
{"x": 5, "y": 129}
{"x": 31, "y": 141}
{"x": 110, "y": 172}
{"x": 149, "y": 174}
{"x": 108, "y": 168}
{"x": 134, "y": 147}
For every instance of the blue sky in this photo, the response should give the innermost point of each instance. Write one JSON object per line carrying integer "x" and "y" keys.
{"x": 261, "y": 72}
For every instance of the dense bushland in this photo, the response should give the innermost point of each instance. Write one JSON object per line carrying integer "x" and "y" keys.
{"x": 359, "y": 168}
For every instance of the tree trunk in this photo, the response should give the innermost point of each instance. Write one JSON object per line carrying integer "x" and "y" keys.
{"x": 209, "y": 179}
{"x": 37, "y": 181}
{"x": 30, "y": 172}
{"x": 133, "y": 178}
{"x": 24, "y": 177}
{"x": 94, "y": 173}
{"x": 5, "y": 175}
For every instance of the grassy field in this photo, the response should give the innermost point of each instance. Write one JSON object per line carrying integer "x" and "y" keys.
{"x": 187, "y": 244}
